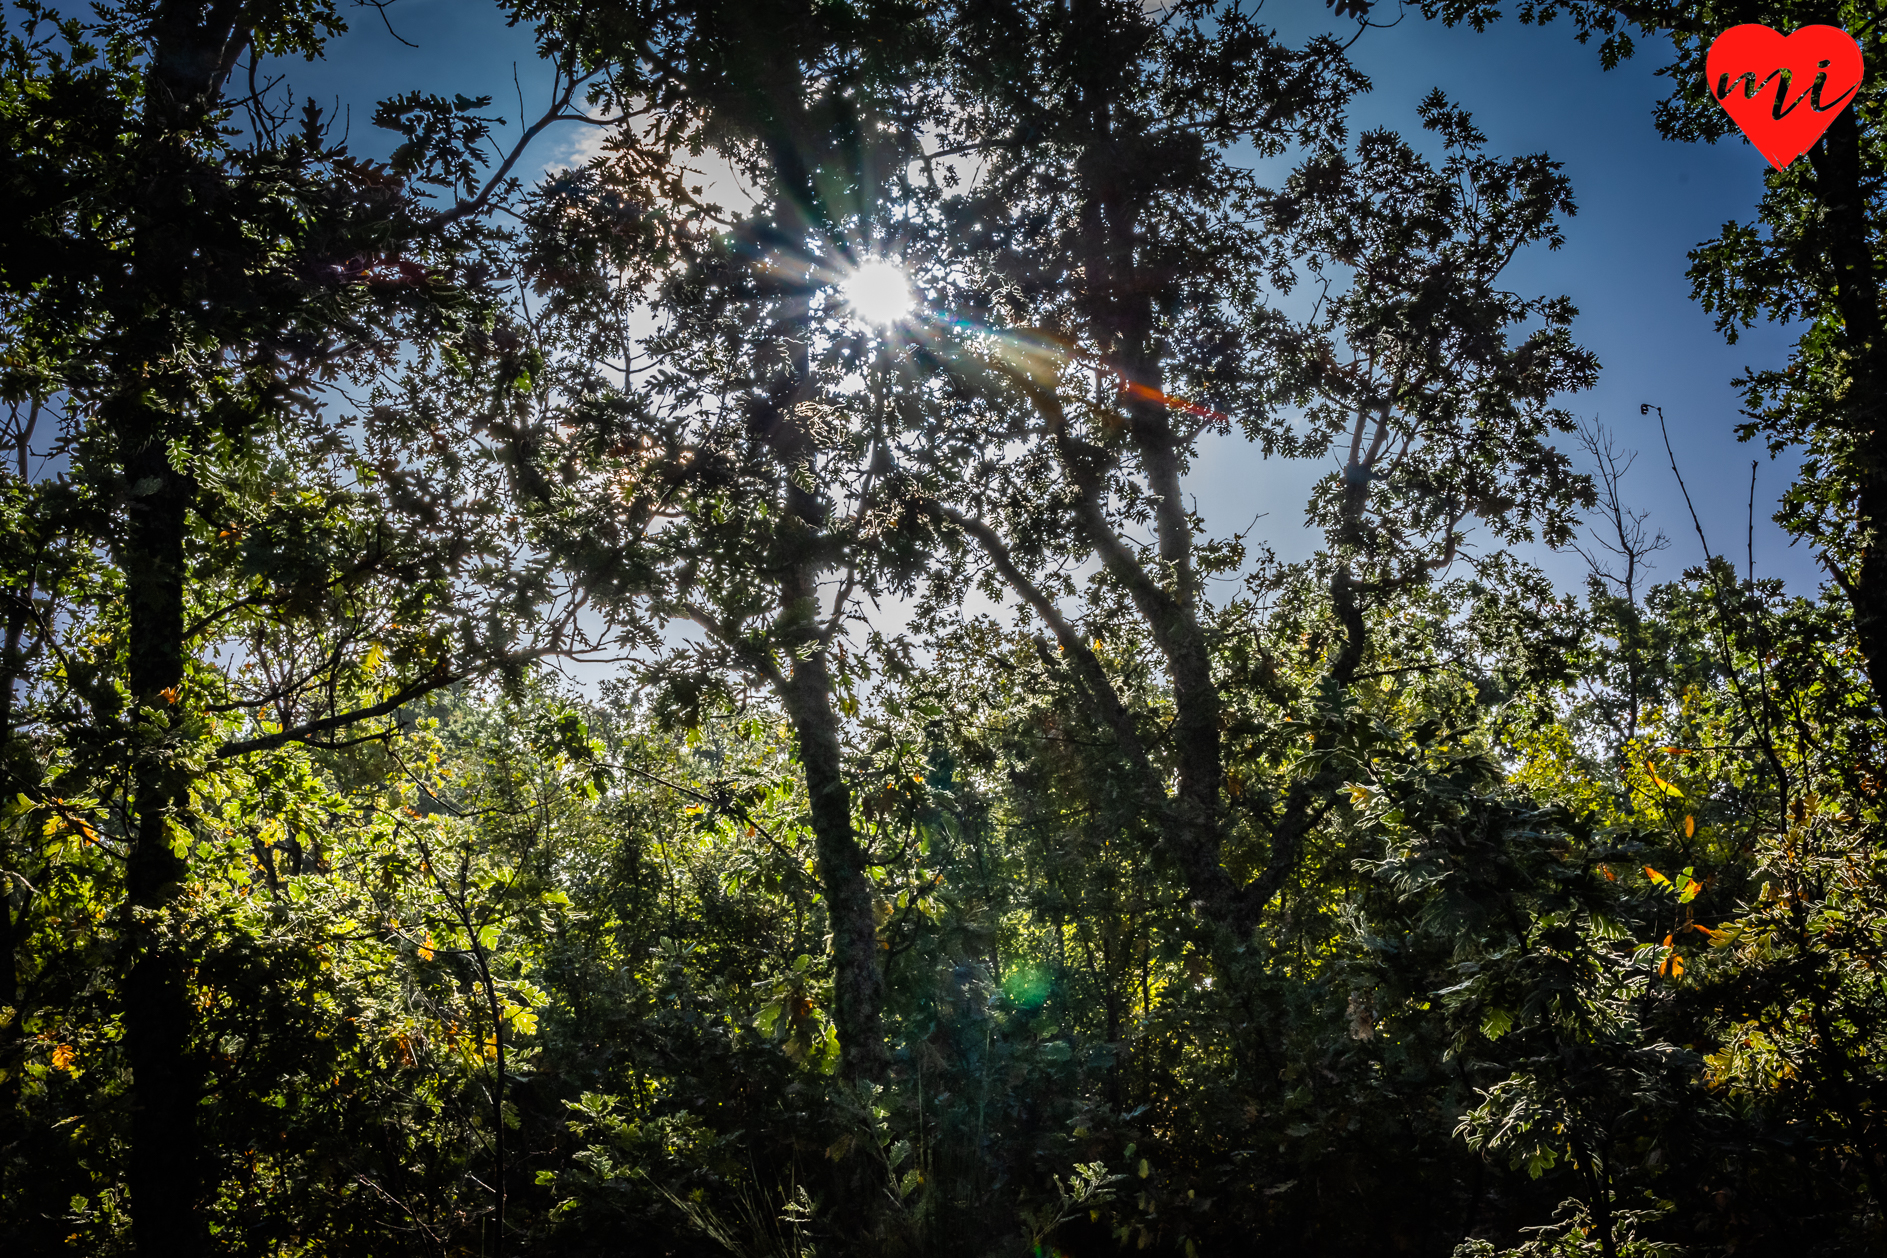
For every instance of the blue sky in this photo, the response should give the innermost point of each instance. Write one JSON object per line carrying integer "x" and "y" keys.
{"x": 1643, "y": 203}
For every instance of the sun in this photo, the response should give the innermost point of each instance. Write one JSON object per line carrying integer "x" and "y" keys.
{"x": 879, "y": 293}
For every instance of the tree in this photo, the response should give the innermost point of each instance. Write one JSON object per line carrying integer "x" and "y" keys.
{"x": 726, "y": 469}
{"x": 1125, "y": 307}
{"x": 180, "y": 294}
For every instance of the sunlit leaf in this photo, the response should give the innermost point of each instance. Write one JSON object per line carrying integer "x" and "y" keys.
{"x": 1661, "y": 784}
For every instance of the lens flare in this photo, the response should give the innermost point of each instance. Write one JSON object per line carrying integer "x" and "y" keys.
{"x": 1027, "y": 986}
{"x": 878, "y": 293}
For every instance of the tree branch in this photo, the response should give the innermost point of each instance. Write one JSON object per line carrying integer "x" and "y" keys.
{"x": 426, "y": 685}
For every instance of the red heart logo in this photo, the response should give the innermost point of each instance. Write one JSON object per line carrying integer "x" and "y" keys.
{"x": 1783, "y": 90}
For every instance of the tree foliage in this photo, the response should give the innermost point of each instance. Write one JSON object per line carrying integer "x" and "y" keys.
{"x": 968, "y": 851}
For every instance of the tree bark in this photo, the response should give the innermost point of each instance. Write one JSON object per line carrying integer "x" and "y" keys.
{"x": 857, "y": 981}
{"x": 1837, "y": 161}
{"x": 194, "y": 45}
{"x": 803, "y": 553}
{"x": 13, "y": 926}
{"x": 165, "y": 1156}
{"x": 12, "y": 936}
{"x": 1117, "y": 305}
{"x": 858, "y": 985}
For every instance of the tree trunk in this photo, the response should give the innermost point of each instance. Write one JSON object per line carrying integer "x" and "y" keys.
{"x": 857, "y": 982}
{"x": 1198, "y": 746}
{"x": 1118, "y": 308}
{"x": 806, "y": 691}
{"x": 165, "y": 1156}
{"x": 13, "y": 926}
{"x": 1599, "y": 1192}
{"x": 12, "y": 936}
{"x": 194, "y": 44}
{"x": 1838, "y": 186}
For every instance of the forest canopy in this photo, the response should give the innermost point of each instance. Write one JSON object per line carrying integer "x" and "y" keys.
{"x": 598, "y": 709}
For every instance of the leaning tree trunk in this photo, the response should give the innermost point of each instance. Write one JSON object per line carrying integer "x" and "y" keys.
{"x": 806, "y": 691}
{"x": 1119, "y": 310}
{"x": 857, "y": 981}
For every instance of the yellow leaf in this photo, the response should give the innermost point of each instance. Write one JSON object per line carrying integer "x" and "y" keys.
{"x": 425, "y": 949}
{"x": 375, "y": 654}
{"x": 62, "y": 1057}
{"x": 1690, "y": 892}
{"x": 1657, "y": 878}
{"x": 1663, "y": 785}
{"x": 1690, "y": 826}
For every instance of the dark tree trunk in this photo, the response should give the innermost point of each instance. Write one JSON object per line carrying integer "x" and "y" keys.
{"x": 13, "y": 925}
{"x": 1197, "y": 739}
{"x": 194, "y": 45}
{"x": 1599, "y": 1193}
{"x": 1849, "y": 246}
{"x": 12, "y": 935}
{"x": 857, "y": 981}
{"x": 806, "y": 691}
{"x": 1119, "y": 310}
{"x": 164, "y": 1157}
